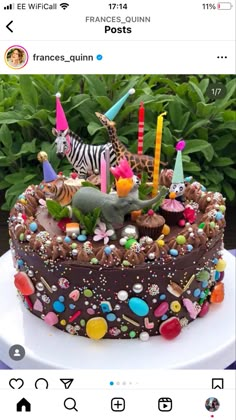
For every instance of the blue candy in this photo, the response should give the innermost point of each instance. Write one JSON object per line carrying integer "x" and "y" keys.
{"x": 67, "y": 239}
{"x": 217, "y": 275}
{"x": 219, "y": 215}
{"x": 189, "y": 247}
{"x": 164, "y": 317}
{"x": 162, "y": 297}
{"x": 196, "y": 292}
{"x": 107, "y": 250}
{"x": 173, "y": 252}
{"x": 58, "y": 306}
{"x": 82, "y": 238}
{"x": 111, "y": 317}
{"x": 33, "y": 226}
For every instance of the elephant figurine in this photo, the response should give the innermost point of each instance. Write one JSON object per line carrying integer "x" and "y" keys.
{"x": 113, "y": 208}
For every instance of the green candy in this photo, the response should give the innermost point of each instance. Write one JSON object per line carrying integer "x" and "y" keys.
{"x": 124, "y": 328}
{"x": 88, "y": 293}
{"x": 212, "y": 225}
{"x": 222, "y": 208}
{"x": 22, "y": 237}
{"x": 94, "y": 261}
{"x": 132, "y": 334}
{"x": 202, "y": 225}
{"x": 129, "y": 243}
{"x": 73, "y": 246}
{"x": 203, "y": 275}
{"x": 181, "y": 239}
{"x": 82, "y": 322}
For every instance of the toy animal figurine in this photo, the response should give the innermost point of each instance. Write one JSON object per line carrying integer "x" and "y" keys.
{"x": 138, "y": 163}
{"x": 113, "y": 208}
{"x": 84, "y": 157}
{"x": 60, "y": 191}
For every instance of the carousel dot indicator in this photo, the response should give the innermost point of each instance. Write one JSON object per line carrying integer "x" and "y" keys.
{"x": 111, "y": 383}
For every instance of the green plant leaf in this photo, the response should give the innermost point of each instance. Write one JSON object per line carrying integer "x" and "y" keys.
{"x": 5, "y": 137}
{"x": 223, "y": 161}
{"x": 197, "y": 91}
{"x": 231, "y": 172}
{"x": 229, "y": 191}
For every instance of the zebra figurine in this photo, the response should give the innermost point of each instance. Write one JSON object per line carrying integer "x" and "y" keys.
{"x": 84, "y": 158}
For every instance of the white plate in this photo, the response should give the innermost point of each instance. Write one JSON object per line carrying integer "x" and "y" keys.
{"x": 207, "y": 343}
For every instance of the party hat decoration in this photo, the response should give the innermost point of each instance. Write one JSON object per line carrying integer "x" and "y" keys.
{"x": 113, "y": 111}
{"x": 48, "y": 172}
{"x": 61, "y": 121}
{"x": 178, "y": 175}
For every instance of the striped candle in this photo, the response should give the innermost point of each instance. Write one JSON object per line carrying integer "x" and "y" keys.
{"x": 107, "y": 159}
{"x": 157, "y": 154}
{"x": 140, "y": 128}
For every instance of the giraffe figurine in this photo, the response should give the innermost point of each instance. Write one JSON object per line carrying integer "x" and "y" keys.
{"x": 138, "y": 163}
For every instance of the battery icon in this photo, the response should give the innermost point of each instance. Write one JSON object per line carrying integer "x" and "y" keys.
{"x": 224, "y": 5}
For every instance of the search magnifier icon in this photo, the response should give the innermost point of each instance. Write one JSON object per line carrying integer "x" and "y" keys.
{"x": 70, "y": 404}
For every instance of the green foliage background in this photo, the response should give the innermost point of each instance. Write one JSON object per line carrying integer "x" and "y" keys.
{"x": 27, "y": 115}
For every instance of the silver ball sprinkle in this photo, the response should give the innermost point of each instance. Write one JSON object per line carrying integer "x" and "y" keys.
{"x": 59, "y": 239}
{"x": 42, "y": 248}
{"x": 137, "y": 288}
{"x": 48, "y": 242}
{"x": 117, "y": 308}
{"x": 39, "y": 286}
{"x": 74, "y": 252}
{"x": 123, "y": 241}
{"x": 73, "y": 235}
{"x": 42, "y": 316}
{"x": 151, "y": 256}
{"x": 30, "y": 273}
{"x": 28, "y": 237}
{"x": 54, "y": 288}
{"x": 130, "y": 231}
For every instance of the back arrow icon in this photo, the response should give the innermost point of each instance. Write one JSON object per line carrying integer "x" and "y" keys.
{"x": 8, "y": 26}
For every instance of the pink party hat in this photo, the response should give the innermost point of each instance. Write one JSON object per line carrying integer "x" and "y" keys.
{"x": 61, "y": 121}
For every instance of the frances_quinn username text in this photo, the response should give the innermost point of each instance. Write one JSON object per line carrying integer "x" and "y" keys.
{"x": 70, "y": 59}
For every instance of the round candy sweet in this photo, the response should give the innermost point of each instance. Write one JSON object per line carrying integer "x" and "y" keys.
{"x": 189, "y": 247}
{"x": 138, "y": 306}
{"x": 122, "y": 295}
{"x": 58, "y": 306}
{"x": 82, "y": 238}
{"x": 173, "y": 252}
{"x": 111, "y": 317}
{"x": 137, "y": 288}
{"x": 33, "y": 226}
{"x": 165, "y": 230}
{"x": 217, "y": 275}
{"x": 222, "y": 208}
{"x": 144, "y": 336}
{"x": 170, "y": 328}
{"x": 181, "y": 222}
{"x": 107, "y": 250}
{"x": 129, "y": 231}
{"x": 96, "y": 328}
{"x": 88, "y": 293}
{"x": 175, "y": 306}
{"x": 220, "y": 266}
{"x": 219, "y": 215}
{"x": 196, "y": 292}
{"x": 129, "y": 243}
{"x": 181, "y": 239}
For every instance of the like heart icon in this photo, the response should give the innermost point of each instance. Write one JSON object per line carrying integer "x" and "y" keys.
{"x": 16, "y": 383}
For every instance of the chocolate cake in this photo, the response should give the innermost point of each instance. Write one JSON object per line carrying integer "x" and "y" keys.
{"x": 87, "y": 269}
{"x": 142, "y": 289}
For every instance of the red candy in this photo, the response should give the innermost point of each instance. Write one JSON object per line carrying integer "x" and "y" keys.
{"x": 24, "y": 284}
{"x": 205, "y": 309}
{"x": 170, "y": 328}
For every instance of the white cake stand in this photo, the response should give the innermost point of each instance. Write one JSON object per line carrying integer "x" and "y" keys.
{"x": 207, "y": 343}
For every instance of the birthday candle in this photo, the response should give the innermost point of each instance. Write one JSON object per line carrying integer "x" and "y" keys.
{"x": 157, "y": 154}
{"x": 107, "y": 159}
{"x": 140, "y": 128}
{"x": 103, "y": 171}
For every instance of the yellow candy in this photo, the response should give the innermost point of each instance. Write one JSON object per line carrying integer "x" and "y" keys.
{"x": 96, "y": 328}
{"x": 63, "y": 322}
{"x": 23, "y": 201}
{"x": 175, "y": 306}
{"x": 161, "y": 242}
{"x": 220, "y": 266}
{"x": 166, "y": 230}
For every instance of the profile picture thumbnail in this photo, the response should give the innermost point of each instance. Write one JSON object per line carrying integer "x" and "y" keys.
{"x": 16, "y": 57}
{"x": 212, "y": 404}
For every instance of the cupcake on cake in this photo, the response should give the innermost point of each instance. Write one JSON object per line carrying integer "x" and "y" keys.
{"x": 150, "y": 224}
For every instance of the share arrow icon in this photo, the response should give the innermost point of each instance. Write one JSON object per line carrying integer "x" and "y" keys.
{"x": 67, "y": 382}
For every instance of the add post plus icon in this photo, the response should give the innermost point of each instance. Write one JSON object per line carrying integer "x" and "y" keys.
{"x": 165, "y": 404}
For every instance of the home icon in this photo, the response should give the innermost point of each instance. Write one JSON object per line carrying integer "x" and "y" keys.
{"x": 23, "y": 405}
